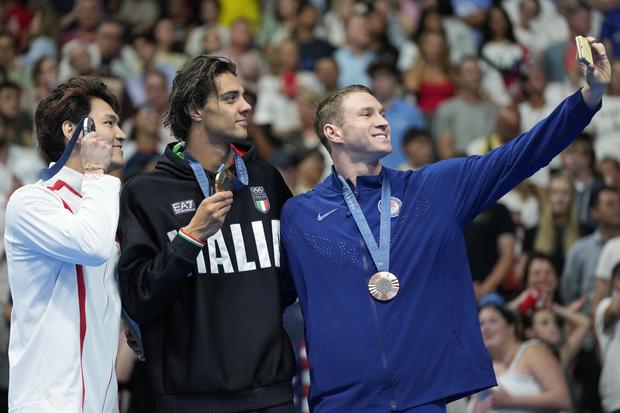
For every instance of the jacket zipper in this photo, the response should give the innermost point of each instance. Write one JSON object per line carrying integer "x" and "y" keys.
{"x": 386, "y": 370}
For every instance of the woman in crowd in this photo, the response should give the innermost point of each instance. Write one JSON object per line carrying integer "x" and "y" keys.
{"x": 559, "y": 227}
{"x": 528, "y": 375}
{"x": 430, "y": 77}
{"x": 500, "y": 48}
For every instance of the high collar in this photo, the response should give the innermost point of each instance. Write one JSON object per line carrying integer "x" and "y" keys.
{"x": 69, "y": 176}
{"x": 364, "y": 182}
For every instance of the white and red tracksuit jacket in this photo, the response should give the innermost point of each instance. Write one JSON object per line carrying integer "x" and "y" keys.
{"x": 62, "y": 254}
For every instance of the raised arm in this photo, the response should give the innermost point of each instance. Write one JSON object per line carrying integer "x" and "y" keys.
{"x": 482, "y": 180}
{"x": 149, "y": 273}
{"x": 36, "y": 220}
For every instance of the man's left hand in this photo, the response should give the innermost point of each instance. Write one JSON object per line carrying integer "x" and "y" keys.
{"x": 597, "y": 75}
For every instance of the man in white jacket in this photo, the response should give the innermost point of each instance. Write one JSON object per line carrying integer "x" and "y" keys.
{"x": 61, "y": 254}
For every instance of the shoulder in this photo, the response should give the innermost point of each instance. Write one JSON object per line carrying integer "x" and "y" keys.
{"x": 30, "y": 199}
{"x": 536, "y": 354}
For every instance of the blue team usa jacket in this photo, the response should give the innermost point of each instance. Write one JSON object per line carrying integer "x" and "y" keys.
{"x": 425, "y": 345}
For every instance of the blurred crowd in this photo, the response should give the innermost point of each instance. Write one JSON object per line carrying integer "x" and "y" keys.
{"x": 456, "y": 78}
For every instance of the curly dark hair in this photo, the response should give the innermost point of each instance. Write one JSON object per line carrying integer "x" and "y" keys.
{"x": 70, "y": 101}
{"x": 193, "y": 84}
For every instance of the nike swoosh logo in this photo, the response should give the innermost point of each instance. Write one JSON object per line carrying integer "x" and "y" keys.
{"x": 322, "y": 217}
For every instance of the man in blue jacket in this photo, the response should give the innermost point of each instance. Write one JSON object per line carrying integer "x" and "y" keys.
{"x": 387, "y": 298}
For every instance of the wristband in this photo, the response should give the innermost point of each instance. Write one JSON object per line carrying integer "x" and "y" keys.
{"x": 183, "y": 234}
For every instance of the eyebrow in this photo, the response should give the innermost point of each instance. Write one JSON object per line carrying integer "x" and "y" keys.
{"x": 232, "y": 93}
{"x": 114, "y": 118}
{"x": 372, "y": 109}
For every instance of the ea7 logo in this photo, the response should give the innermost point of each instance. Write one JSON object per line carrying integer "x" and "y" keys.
{"x": 183, "y": 207}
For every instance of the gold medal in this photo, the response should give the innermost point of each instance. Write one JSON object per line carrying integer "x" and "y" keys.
{"x": 224, "y": 180}
{"x": 383, "y": 286}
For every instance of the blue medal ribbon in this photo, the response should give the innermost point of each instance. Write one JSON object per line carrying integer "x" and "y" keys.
{"x": 240, "y": 180}
{"x": 47, "y": 173}
{"x": 380, "y": 253}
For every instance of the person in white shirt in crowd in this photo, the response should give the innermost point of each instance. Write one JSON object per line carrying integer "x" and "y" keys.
{"x": 607, "y": 325}
{"x": 61, "y": 254}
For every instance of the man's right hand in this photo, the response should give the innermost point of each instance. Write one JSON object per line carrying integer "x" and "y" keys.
{"x": 210, "y": 215}
{"x": 95, "y": 154}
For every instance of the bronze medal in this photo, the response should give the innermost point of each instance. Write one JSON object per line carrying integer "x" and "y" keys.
{"x": 383, "y": 286}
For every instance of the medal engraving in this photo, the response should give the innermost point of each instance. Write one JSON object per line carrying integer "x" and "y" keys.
{"x": 383, "y": 286}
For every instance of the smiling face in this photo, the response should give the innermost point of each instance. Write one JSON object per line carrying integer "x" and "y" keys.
{"x": 364, "y": 132}
{"x": 225, "y": 114}
{"x": 108, "y": 130}
{"x": 542, "y": 274}
{"x": 496, "y": 332}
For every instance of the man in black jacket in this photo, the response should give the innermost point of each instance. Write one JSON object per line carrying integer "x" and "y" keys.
{"x": 200, "y": 268}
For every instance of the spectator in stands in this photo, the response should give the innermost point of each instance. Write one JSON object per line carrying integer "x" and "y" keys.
{"x": 543, "y": 320}
{"x": 44, "y": 79}
{"x": 242, "y": 44}
{"x": 607, "y": 325}
{"x": 559, "y": 58}
{"x": 490, "y": 241}
{"x": 606, "y": 125}
{"x": 529, "y": 377}
{"x": 559, "y": 226}
{"x": 579, "y": 161}
{"x": 430, "y": 77}
{"x": 328, "y": 73}
{"x": 86, "y": 15}
{"x": 540, "y": 276}
{"x": 43, "y": 35}
{"x": 500, "y": 48}
{"x": 507, "y": 127}
{"x": 9, "y": 60}
{"x": 110, "y": 55}
{"x": 144, "y": 143}
{"x": 355, "y": 57}
{"x": 579, "y": 274}
{"x": 609, "y": 169}
{"x": 379, "y": 41}
{"x": 535, "y": 105}
{"x": 309, "y": 171}
{"x": 460, "y": 37}
{"x": 400, "y": 114}
{"x": 610, "y": 255}
{"x": 466, "y": 116}
{"x": 276, "y": 106}
{"x": 610, "y": 30}
{"x": 311, "y": 47}
{"x": 278, "y": 23}
{"x": 209, "y": 14}
{"x": 418, "y": 149}
{"x": 140, "y": 15}
{"x": 167, "y": 45}
{"x": 18, "y": 124}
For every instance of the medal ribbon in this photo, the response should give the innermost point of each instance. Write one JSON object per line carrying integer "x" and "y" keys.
{"x": 380, "y": 253}
{"x": 240, "y": 180}
{"x": 48, "y": 173}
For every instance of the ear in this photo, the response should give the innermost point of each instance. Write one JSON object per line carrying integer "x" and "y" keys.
{"x": 333, "y": 133}
{"x": 194, "y": 114}
{"x": 67, "y": 129}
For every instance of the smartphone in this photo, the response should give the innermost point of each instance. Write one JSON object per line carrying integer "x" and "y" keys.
{"x": 88, "y": 125}
{"x": 584, "y": 53}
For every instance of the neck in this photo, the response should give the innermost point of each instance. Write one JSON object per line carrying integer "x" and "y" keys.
{"x": 210, "y": 152}
{"x": 505, "y": 354}
{"x": 75, "y": 162}
{"x": 537, "y": 100}
{"x": 468, "y": 95}
{"x": 351, "y": 169}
